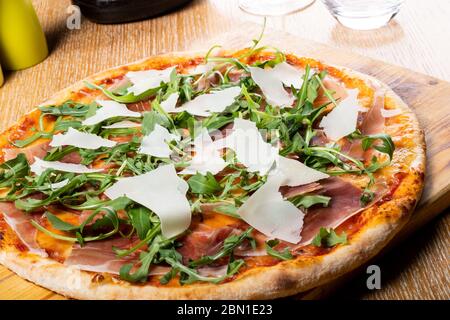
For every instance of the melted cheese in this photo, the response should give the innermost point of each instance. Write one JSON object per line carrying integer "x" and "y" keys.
{"x": 109, "y": 109}
{"x": 80, "y": 139}
{"x": 163, "y": 192}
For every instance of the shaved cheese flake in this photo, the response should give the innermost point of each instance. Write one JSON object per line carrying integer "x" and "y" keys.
{"x": 39, "y": 166}
{"x": 123, "y": 125}
{"x": 207, "y": 158}
{"x": 163, "y": 192}
{"x": 288, "y": 74}
{"x": 271, "y": 86}
{"x": 297, "y": 173}
{"x": 388, "y": 113}
{"x": 155, "y": 144}
{"x": 148, "y": 79}
{"x": 59, "y": 185}
{"x": 169, "y": 104}
{"x": 109, "y": 109}
{"x": 342, "y": 120}
{"x": 270, "y": 214}
{"x": 202, "y": 68}
{"x": 79, "y": 139}
{"x": 250, "y": 148}
{"x": 216, "y": 101}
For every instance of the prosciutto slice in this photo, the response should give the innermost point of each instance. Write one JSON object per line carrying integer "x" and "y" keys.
{"x": 98, "y": 256}
{"x": 39, "y": 150}
{"x": 344, "y": 203}
{"x": 19, "y": 221}
{"x": 35, "y": 150}
{"x": 372, "y": 123}
{"x": 204, "y": 240}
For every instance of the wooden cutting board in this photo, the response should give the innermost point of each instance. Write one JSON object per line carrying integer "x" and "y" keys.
{"x": 429, "y": 97}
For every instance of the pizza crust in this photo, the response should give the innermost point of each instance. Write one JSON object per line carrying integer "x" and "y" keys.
{"x": 284, "y": 279}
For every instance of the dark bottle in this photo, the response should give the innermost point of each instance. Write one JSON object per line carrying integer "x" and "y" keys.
{"x": 119, "y": 11}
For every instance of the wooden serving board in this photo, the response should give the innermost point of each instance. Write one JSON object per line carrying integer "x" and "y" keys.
{"x": 427, "y": 96}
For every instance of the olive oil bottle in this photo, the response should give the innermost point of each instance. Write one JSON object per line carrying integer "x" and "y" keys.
{"x": 22, "y": 41}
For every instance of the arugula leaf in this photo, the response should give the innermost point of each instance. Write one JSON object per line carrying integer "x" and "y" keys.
{"x": 329, "y": 238}
{"x": 150, "y": 119}
{"x": 189, "y": 275}
{"x": 386, "y": 147}
{"x": 59, "y": 224}
{"x": 366, "y": 197}
{"x": 68, "y": 108}
{"x": 308, "y": 201}
{"x": 140, "y": 219}
{"x": 282, "y": 255}
{"x": 13, "y": 169}
{"x": 146, "y": 259}
{"x": 228, "y": 246}
{"x": 201, "y": 184}
{"x": 128, "y": 98}
{"x": 228, "y": 209}
{"x": 34, "y": 137}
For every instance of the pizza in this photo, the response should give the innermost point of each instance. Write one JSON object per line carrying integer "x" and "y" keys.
{"x": 250, "y": 174}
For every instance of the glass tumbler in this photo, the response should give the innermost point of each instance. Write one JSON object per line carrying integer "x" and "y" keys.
{"x": 363, "y": 14}
{"x": 273, "y": 7}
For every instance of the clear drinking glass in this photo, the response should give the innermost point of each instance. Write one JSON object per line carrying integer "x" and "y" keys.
{"x": 273, "y": 7}
{"x": 363, "y": 14}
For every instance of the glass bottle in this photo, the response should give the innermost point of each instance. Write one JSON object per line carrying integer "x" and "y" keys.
{"x": 22, "y": 40}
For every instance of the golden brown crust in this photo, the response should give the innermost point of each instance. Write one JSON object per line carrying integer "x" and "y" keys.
{"x": 381, "y": 223}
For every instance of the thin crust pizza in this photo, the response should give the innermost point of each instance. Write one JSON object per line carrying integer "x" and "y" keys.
{"x": 236, "y": 175}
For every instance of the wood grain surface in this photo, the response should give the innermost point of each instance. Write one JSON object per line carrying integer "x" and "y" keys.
{"x": 417, "y": 268}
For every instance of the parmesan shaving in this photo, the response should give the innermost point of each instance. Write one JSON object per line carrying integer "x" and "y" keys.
{"x": 155, "y": 144}
{"x": 149, "y": 79}
{"x": 216, "y": 101}
{"x": 163, "y": 192}
{"x": 272, "y": 87}
{"x": 79, "y": 139}
{"x": 207, "y": 158}
{"x": 342, "y": 120}
{"x": 270, "y": 214}
{"x": 109, "y": 109}
{"x": 39, "y": 166}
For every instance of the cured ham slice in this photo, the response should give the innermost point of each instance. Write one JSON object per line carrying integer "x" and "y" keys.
{"x": 35, "y": 150}
{"x": 338, "y": 92}
{"x": 19, "y": 221}
{"x": 372, "y": 123}
{"x": 290, "y": 192}
{"x": 344, "y": 203}
{"x": 39, "y": 150}
{"x": 98, "y": 256}
{"x": 203, "y": 241}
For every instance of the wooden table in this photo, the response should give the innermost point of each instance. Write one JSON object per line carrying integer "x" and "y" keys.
{"x": 413, "y": 40}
